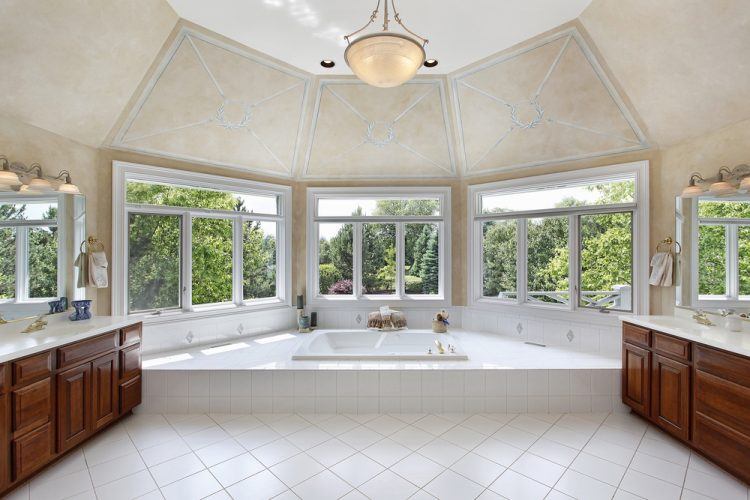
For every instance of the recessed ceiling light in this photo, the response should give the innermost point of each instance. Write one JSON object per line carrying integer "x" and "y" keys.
{"x": 327, "y": 63}
{"x": 430, "y": 63}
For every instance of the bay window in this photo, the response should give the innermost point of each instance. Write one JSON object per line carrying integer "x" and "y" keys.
{"x": 381, "y": 244}
{"x": 196, "y": 242}
{"x": 571, "y": 241}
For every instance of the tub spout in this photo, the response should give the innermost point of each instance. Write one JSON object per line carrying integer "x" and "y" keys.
{"x": 440, "y": 347}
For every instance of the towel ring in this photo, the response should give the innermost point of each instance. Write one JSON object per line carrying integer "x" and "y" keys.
{"x": 92, "y": 244}
{"x": 669, "y": 242}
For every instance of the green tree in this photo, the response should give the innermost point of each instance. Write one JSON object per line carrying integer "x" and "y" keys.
{"x": 430, "y": 269}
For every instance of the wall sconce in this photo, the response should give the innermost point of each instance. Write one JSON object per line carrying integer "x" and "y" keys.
{"x": 11, "y": 176}
{"x": 724, "y": 183}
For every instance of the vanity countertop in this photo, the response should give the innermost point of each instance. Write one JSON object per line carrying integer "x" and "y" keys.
{"x": 688, "y": 329}
{"x": 59, "y": 331}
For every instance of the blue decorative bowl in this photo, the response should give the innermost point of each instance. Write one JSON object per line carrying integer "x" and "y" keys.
{"x": 82, "y": 310}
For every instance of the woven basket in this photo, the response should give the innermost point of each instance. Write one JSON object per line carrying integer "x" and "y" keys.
{"x": 439, "y": 327}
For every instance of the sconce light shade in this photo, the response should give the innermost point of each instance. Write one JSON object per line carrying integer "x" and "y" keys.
{"x": 692, "y": 191}
{"x": 68, "y": 188}
{"x": 720, "y": 188}
{"x": 9, "y": 178}
{"x": 745, "y": 183}
{"x": 41, "y": 185}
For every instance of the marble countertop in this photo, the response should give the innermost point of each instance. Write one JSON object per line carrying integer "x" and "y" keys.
{"x": 274, "y": 351}
{"x": 59, "y": 331}
{"x": 688, "y": 329}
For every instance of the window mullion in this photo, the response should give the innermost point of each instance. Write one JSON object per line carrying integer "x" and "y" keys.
{"x": 357, "y": 257}
{"x": 187, "y": 261}
{"x": 22, "y": 263}
{"x": 522, "y": 260}
{"x": 574, "y": 261}
{"x": 237, "y": 261}
{"x": 400, "y": 264}
{"x": 733, "y": 278}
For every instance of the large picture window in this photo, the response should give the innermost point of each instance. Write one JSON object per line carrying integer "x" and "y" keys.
{"x": 29, "y": 249}
{"x": 378, "y": 244}
{"x": 568, "y": 241}
{"x": 196, "y": 242}
{"x": 723, "y": 230}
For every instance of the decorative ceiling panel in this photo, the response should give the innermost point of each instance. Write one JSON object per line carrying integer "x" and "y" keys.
{"x": 213, "y": 103}
{"x": 545, "y": 103}
{"x": 360, "y": 131}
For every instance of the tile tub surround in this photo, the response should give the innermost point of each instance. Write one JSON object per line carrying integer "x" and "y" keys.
{"x": 446, "y": 456}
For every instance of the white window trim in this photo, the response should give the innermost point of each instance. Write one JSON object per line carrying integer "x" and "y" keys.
{"x": 22, "y": 248}
{"x": 732, "y": 299}
{"x": 443, "y": 194}
{"x": 640, "y": 210}
{"x": 124, "y": 171}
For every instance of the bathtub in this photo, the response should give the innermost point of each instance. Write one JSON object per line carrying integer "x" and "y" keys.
{"x": 368, "y": 344}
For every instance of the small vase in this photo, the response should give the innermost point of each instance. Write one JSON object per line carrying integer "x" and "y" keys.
{"x": 82, "y": 310}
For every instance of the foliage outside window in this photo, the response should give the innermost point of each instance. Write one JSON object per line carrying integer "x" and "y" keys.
{"x": 197, "y": 247}
{"x": 371, "y": 246}
{"x": 723, "y": 249}
{"x": 28, "y": 250}
{"x": 567, "y": 245}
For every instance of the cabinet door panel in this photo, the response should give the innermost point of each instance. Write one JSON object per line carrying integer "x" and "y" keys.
{"x": 725, "y": 446}
{"x": 73, "y": 406}
{"x": 32, "y": 451}
{"x": 670, "y": 395}
{"x": 636, "y": 378}
{"x": 104, "y": 400}
{"x": 130, "y": 395}
{"x": 5, "y": 430}
{"x": 32, "y": 406}
{"x": 130, "y": 362}
{"x": 723, "y": 401}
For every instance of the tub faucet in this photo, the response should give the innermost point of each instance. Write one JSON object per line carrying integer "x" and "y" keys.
{"x": 440, "y": 347}
{"x": 702, "y": 318}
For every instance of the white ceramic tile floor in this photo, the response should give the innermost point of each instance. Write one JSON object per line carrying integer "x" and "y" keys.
{"x": 419, "y": 456}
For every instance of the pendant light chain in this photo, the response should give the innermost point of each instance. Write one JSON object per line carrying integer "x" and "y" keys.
{"x": 386, "y": 22}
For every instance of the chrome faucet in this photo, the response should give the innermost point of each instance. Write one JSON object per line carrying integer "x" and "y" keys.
{"x": 702, "y": 318}
{"x": 38, "y": 324}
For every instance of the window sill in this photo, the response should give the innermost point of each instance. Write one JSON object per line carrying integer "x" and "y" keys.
{"x": 551, "y": 311}
{"x": 210, "y": 312}
{"x": 332, "y": 301}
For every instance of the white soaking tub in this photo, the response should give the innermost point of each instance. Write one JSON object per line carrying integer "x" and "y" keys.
{"x": 369, "y": 344}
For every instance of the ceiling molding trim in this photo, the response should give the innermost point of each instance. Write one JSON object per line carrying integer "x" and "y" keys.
{"x": 437, "y": 83}
{"x": 571, "y": 34}
{"x": 187, "y": 34}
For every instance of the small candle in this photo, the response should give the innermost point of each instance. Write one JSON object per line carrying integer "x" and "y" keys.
{"x": 300, "y": 302}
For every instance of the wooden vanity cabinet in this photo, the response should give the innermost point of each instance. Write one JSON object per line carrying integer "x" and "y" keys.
{"x": 52, "y": 401}
{"x": 699, "y": 394}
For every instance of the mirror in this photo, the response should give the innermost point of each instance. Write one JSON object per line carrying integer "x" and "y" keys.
{"x": 712, "y": 270}
{"x": 40, "y": 237}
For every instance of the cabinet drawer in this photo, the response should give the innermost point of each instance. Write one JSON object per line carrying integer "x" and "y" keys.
{"x": 31, "y": 451}
{"x": 130, "y": 362}
{"x": 726, "y": 402}
{"x": 636, "y": 335}
{"x": 671, "y": 346}
{"x": 28, "y": 369}
{"x": 32, "y": 406}
{"x": 130, "y": 335}
{"x": 73, "y": 353}
{"x": 723, "y": 364}
{"x": 130, "y": 395}
{"x": 723, "y": 445}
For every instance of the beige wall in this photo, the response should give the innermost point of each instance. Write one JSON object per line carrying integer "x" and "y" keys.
{"x": 91, "y": 170}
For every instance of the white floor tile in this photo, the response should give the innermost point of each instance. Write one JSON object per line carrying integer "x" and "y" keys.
{"x": 603, "y": 470}
{"x": 193, "y": 487}
{"x": 61, "y": 487}
{"x": 464, "y": 437}
{"x": 478, "y": 469}
{"x": 219, "y": 452}
{"x": 296, "y": 469}
{"x": 412, "y": 438}
{"x": 386, "y": 425}
{"x": 671, "y": 451}
{"x": 608, "y": 451}
{"x": 442, "y": 452}
{"x": 483, "y": 424}
{"x": 98, "y": 451}
{"x": 570, "y": 438}
{"x": 360, "y": 437}
{"x": 308, "y": 437}
{"x": 116, "y": 469}
{"x": 175, "y": 469}
{"x": 259, "y": 486}
{"x": 388, "y": 486}
{"x": 386, "y": 452}
{"x": 649, "y": 487}
{"x": 205, "y": 437}
{"x": 659, "y": 468}
{"x": 273, "y": 453}
{"x": 555, "y": 452}
{"x": 331, "y": 452}
{"x": 451, "y": 486}
{"x": 134, "y": 486}
{"x": 257, "y": 437}
{"x": 417, "y": 469}
{"x": 530, "y": 424}
{"x": 322, "y": 487}
{"x": 724, "y": 486}
{"x": 163, "y": 452}
{"x": 337, "y": 425}
{"x": 289, "y": 425}
{"x": 236, "y": 469}
{"x": 499, "y": 452}
{"x": 516, "y": 437}
{"x": 537, "y": 468}
{"x": 357, "y": 469}
{"x": 583, "y": 487}
{"x": 518, "y": 487}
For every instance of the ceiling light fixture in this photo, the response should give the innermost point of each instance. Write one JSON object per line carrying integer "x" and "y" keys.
{"x": 7, "y": 176}
{"x": 384, "y": 58}
{"x": 12, "y": 176}
{"x": 430, "y": 63}
{"x": 327, "y": 63}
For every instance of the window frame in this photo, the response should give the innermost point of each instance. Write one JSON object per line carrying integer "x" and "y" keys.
{"x": 22, "y": 227}
{"x": 124, "y": 172}
{"x": 443, "y": 222}
{"x": 640, "y": 232}
{"x": 731, "y": 225}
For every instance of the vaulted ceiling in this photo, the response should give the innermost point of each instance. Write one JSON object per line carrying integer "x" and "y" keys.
{"x": 512, "y": 91}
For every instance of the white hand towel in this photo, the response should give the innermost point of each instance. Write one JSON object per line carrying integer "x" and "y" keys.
{"x": 98, "y": 270}
{"x": 661, "y": 269}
